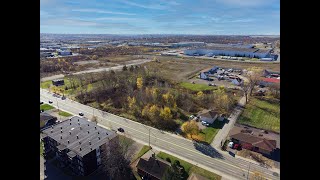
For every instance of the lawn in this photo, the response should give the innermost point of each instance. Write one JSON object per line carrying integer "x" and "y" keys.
{"x": 210, "y": 132}
{"x": 190, "y": 168}
{"x": 46, "y": 107}
{"x": 41, "y": 148}
{"x": 65, "y": 114}
{"x": 197, "y": 87}
{"x": 143, "y": 150}
{"x": 261, "y": 114}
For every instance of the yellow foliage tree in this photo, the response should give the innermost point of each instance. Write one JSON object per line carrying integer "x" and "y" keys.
{"x": 190, "y": 127}
{"x": 131, "y": 102}
{"x": 139, "y": 82}
{"x": 200, "y": 94}
{"x": 165, "y": 113}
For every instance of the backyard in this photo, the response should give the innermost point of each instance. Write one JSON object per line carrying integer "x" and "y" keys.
{"x": 190, "y": 168}
{"x": 262, "y": 114}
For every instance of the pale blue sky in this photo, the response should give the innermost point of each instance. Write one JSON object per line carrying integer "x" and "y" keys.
{"x": 214, "y": 17}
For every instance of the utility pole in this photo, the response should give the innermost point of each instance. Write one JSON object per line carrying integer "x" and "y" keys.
{"x": 248, "y": 171}
{"x": 149, "y": 137}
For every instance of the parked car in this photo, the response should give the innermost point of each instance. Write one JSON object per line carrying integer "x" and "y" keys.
{"x": 204, "y": 123}
{"x": 191, "y": 116}
{"x": 81, "y": 114}
{"x": 50, "y": 102}
{"x": 230, "y": 145}
{"x": 63, "y": 97}
{"x": 121, "y": 129}
{"x": 41, "y": 102}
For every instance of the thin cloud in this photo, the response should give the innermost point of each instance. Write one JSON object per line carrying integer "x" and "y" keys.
{"x": 247, "y": 3}
{"x": 146, "y": 6}
{"x": 101, "y": 11}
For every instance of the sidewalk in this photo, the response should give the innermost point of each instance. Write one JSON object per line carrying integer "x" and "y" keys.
{"x": 223, "y": 133}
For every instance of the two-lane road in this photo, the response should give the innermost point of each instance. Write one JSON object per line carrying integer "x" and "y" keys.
{"x": 224, "y": 165}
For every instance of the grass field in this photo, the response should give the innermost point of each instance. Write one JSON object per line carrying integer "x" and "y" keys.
{"x": 261, "y": 114}
{"x": 143, "y": 150}
{"x": 46, "y": 107}
{"x": 65, "y": 114}
{"x": 197, "y": 87}
{"x": 190, "y": 168}
{"x": 209, "y": 133}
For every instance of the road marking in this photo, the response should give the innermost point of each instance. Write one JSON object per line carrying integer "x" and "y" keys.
{"x": 156, "y": 137}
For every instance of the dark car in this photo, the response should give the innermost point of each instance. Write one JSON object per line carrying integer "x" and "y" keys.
{"x": 81, "y": 114}
{"x": 63, "y": 97}
{"x": 121, "y": 130}
{"x": 41, "y": 110}
{"x": 41, "y": 102}
{"x": 50, "y": 102}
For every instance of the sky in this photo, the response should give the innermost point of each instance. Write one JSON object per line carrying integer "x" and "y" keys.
{"x": 203, "y": 17}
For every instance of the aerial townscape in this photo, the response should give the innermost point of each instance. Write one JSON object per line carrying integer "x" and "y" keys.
{"x": 121, "y": 101}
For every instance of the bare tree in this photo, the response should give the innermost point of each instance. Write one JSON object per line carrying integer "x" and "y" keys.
{"x": 115, "y": 162}
{"x": 245, "y": 86}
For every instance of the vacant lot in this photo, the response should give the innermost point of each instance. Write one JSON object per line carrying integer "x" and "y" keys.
{"x": 190, "y": 168}
{"x": 46, "y": 107}
{"x": 176, "y": 70}
{"x": 261, "y": 114}
{"x": 197, "y": 87}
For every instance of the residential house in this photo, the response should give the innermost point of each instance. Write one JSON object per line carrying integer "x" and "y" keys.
{"x": 46, "y": 120}
{"x": 78, "y": 144}
{"x": 208, "y": 116}
{"x": 153, "y": 168}
{"x": 253, "y": 143}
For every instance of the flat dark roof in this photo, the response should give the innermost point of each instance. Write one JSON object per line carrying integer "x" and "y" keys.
{"x": 80, "y": 133}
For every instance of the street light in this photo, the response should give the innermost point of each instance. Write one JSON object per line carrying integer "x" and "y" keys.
{"x": 149, "y": 137}
{"x": 248, "y": 171}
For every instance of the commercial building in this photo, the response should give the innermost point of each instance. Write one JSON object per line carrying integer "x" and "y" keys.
{"x": 253, "y": 143}
{"x": 64, "y": 53}
{"x": 78, "y": 144}
{"x": 228, "y": 51}
{"x": 187, "y": 44}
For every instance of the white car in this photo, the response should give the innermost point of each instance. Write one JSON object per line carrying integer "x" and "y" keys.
{"x": 50, "y": 101}
{"x": 230, "y": 145}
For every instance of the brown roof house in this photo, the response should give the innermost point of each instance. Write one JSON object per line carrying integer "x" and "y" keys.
{"x": 210, "y": 116}
{"x": 257, "y": 144}
{"x": 152, "y": 169}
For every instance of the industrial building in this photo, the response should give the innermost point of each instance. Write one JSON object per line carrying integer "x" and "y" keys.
{"x": 187, "y": 44}
{"x": 78, "y": 145}
{"x": 64, "y": 53}
{"x": 227, "y": 51}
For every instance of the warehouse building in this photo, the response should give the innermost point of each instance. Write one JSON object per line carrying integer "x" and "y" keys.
{"x": 225, "y": 51}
